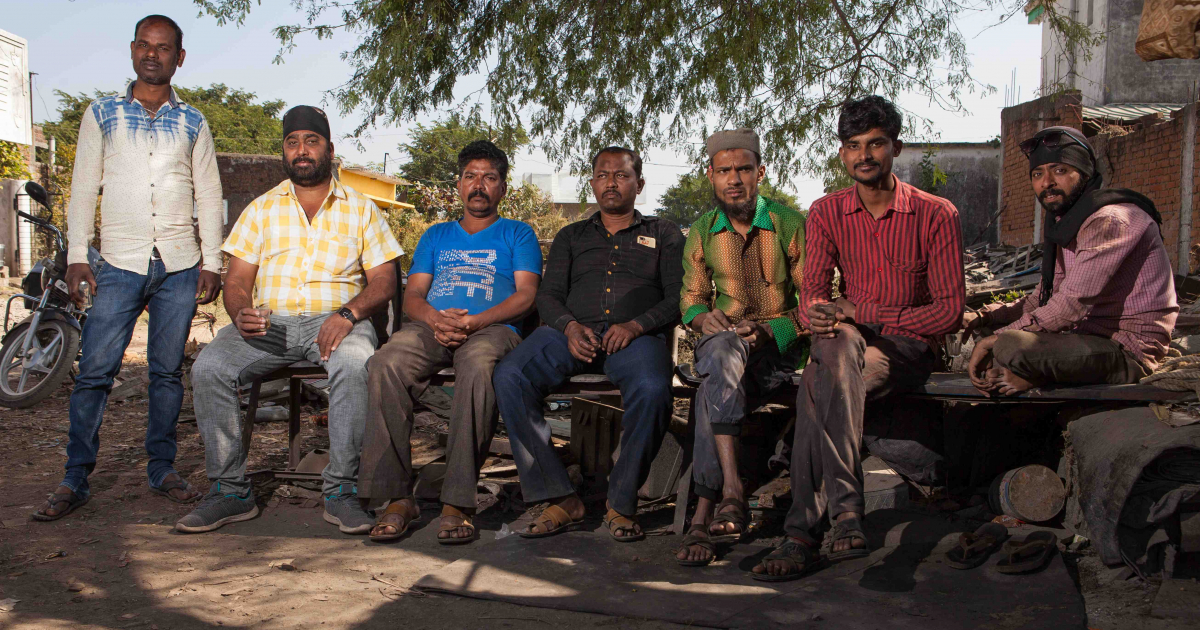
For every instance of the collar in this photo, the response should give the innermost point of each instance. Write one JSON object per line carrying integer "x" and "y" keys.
{"x": 638, "y": 219}
{"x": 336, "y": 190}
{"x": 172, "y": 100}
{"x": 762, "y": 218}
{"x": 901, "y": 202}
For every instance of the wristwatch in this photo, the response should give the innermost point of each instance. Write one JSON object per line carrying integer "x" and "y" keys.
{"x": 348, "y": 314}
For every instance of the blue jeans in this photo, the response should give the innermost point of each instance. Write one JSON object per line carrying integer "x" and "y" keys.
{"x": 121, "y": 296}
{"x": 642, "y": 371}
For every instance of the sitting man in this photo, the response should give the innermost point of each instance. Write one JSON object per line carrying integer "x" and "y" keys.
{"x": 611, "y": 300}
{"x": 471, "y": 281}
{"x": 1105, "y": 308}
{"x": 309, "y": 262}
{"x": 899, "y": 253}
{"x": 752, "y": 250}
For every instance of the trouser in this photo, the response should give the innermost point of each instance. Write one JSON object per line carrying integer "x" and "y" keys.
{"x": 121, "y": 297}
{"x": 844, "y": 372}
{"x": 231, "y": 361}
{"x": 399, "y": 374}
{"x": 731, "y": 375}
{"x": 642, "y": 371}
{"x": 1071, "y": 359}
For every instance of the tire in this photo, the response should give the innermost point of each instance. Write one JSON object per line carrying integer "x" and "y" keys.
{"x": 62, "y": 357}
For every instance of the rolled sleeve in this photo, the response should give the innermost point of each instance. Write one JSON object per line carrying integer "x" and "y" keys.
{"x": 379, "y": 244}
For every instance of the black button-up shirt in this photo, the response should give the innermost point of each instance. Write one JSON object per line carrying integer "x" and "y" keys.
{"x": 595, "y": 277}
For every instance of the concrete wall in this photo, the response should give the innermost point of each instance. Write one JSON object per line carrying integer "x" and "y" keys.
{"x": 244, "y": 178}
{"x": 1160, "y": 158}
{"x": 8, "y": 223}
{"x": 972, "y": 181}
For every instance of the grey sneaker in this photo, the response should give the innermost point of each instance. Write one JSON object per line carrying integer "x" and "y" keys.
{"x": 217, "y": 509}
{"x": 344, "y": 510}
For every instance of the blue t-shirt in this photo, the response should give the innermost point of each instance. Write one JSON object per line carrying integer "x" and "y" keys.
{"x": 475, "y": 271}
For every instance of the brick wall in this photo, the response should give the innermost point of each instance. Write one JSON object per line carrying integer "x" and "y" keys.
{"x": 1016, "y": 124}
{"x": 244, "y": 178}
{"x": 1148, "y": 160}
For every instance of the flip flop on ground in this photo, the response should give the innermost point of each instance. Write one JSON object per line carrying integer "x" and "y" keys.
{"x": 174, "y": 482}
{"x": 551, "y": 522}
{"x": 974, "y": 548}
{"x": 63, "y": 503}
{"x": 1028, "y": 555}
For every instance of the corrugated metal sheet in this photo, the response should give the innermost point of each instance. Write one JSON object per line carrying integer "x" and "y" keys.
{"x": 1128, "y": 111}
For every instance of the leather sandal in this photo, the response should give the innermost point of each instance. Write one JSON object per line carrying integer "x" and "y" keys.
{"x": 694, "y": 540}
{"x": 451, "y": 511}
{"x": 615, "y": 522}
{"x": 1028, "y": 555}
{"x": 850, "y": 528}
{"x": 806, "y": 560}
{"x": 974, "y": 548}
{"x": 736, "y": 516}
{"x": 553, "y": 521}
{"x": 396, "y": 508}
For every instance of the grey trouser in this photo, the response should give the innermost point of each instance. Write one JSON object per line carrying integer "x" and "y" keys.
{"x": 400, "y": 372}
{"x": 732, "y": 374}
{"x": 231, "y": 361}
{"x": 843, "y": 373}
{"x": 1071, "y": 359}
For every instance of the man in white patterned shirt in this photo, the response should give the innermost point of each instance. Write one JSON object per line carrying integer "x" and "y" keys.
{"x": 318, "y": 255}
{"x": 154, "y": 158}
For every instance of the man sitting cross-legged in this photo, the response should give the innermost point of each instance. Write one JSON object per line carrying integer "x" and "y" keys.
{"x": 470, "y": 280}
{"x": 751, "y": 250}
{"x": 1105, "y": 308}
{"x": 309, "y": 262}
{"x": 899, "y": 253}
{"x": 610, "y": 298}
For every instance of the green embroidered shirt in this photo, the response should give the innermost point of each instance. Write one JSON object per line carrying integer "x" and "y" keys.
{"x": 753, "y": 277}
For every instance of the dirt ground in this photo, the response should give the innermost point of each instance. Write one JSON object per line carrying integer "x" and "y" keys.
{"x": 117, "y": 563}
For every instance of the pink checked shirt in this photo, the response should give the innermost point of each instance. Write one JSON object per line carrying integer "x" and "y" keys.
{"x": 1114, "y": 280}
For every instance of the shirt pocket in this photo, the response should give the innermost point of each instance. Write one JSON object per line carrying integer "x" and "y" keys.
{"x": 909, "y": 266}
{"x": 643, "y": 262}
{"x": 339, "y": 255}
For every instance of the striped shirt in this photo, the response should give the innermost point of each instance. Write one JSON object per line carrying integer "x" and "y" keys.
{"x": 155, "y": 168}
{"x": 753, "y": 277}
{"x": 902, "y": 271}
{"x": 311, "y": 268}
{"x": 1114, "y": 280}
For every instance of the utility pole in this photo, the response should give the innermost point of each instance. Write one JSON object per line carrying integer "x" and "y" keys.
{"x": 385, "y": 158}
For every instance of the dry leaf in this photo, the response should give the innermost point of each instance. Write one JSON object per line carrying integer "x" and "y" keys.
{"x": 7, "y": 605}
{"x": 284, "y": 565}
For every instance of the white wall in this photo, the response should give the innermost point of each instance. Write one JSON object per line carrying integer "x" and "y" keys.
{"x": 16, "y": 123}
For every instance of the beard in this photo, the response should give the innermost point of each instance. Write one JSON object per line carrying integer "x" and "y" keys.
{"x": 743, "y": 211}
{"x": 1066, "y": 199}
{"x": 309, "y": 174}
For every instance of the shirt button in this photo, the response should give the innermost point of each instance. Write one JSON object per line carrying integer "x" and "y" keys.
{"x": 610, "y": 273}
{"x": 614, "y": 264}
{"x": 610, "y": 236}
{"x": 880, "y": 269}
{"x": 153, "y": 214}
{"x": 608, "y": 290}
{"x": 152, "y": 185}
{"x": 877, "y": 234}
{"x": 606, "y": 311}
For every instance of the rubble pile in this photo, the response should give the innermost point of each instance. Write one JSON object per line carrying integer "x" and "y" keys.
{"x": 994, "y": 270}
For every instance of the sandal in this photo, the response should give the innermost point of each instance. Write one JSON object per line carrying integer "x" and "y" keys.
{"x": 848, "y": 528}
{"x": 72, "y": 502}
{"x": 453, "y": 512}
{"x": 736, "y": 516}
{"x": 974, "y": 548}
{"x": 806, "y": 558}
{"x": 615, "y": 521}
{"x": 1028, "y": 555}
{"x": 692, "y": 540}
{"x": 400, "y": 508}
{"x": 553, "y": 520}
{"x": 176, "y": 484}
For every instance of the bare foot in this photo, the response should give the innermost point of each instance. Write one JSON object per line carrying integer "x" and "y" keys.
{"x": 1010, "y": 384}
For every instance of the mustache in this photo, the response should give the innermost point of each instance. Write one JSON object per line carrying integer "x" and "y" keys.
{"x": 1052, "y": 191}
{"x": 867, "y": 163}
{"x": 477, "y": 193}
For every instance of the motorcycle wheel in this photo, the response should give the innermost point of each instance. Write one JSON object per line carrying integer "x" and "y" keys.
{"x": 28, "y": 380}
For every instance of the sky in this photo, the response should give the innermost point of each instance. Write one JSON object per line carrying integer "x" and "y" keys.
{"x": 82, "y": 46}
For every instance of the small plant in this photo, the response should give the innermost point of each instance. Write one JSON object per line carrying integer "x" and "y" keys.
{"x": 931, "y": 177}
{"x": 1006, "y": 298}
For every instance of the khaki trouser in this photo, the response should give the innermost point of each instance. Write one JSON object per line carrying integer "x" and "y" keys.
{"x": 398, "y": 374}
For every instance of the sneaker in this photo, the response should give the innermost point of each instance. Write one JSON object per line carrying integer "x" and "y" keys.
{"x": 217, "y": 509}
{"x": 344, "y": 510}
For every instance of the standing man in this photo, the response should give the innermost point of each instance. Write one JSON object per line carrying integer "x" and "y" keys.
{"x": 899, "y": 253}
{"x": 309, "y": 262}
{"x": 610, "y": 299}
{"x": 741, "y": 266}
{"x": 471, "y": 283}
{"x": 1105, "y": 308}
{"x": 153, "y": 155}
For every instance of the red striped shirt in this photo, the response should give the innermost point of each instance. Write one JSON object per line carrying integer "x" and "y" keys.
{"x": 903, "y": 270}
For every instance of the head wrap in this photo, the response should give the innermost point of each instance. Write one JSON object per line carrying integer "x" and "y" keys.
{"x": 1076, "y": 154}
{"x": 306, "y": 118}
{"x": 742, "y": 138}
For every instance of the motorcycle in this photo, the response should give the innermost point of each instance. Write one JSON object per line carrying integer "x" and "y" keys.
{"x": 37, "y": 353}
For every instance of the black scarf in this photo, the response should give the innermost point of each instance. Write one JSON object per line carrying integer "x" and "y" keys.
{"x": 1060, "y": 233}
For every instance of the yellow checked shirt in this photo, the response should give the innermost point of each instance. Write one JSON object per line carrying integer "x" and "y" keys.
{"x": 311, "y": 268}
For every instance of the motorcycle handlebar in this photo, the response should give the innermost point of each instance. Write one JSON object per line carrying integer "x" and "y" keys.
{"x": 31, "y": 218}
